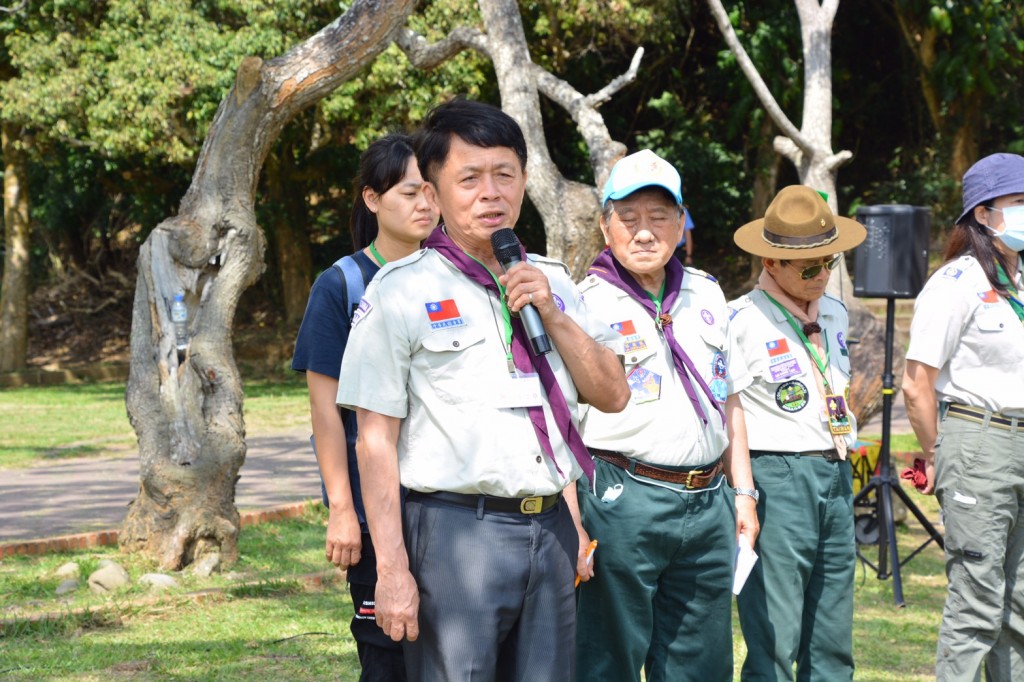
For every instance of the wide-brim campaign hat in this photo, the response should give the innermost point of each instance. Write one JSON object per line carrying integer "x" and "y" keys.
{"x": 990, "y": 178}
{"x": 640, "y": 170}
{"x": 799, "y": 224}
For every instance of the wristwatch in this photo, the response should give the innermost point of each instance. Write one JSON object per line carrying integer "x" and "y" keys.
{"x": 749, "y": 492}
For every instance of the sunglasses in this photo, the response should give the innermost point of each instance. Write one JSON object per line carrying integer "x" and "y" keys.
{"x": 813, "y": 270}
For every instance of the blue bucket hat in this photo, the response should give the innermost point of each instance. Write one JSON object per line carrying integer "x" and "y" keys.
{"x": 990, "y": 178}
{"x": 639, "y": 170}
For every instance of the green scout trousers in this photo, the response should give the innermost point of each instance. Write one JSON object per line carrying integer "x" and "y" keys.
{"x": 661, "y": 595}
{"x": 979, "y": 471}
{"x": 797, "y": 605}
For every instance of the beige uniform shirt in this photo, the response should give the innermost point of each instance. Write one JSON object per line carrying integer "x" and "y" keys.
{"x": 428, "y": 346}
{"x": 773, "y": 373}
{"x": 971, "y": 334}
{"x": 659, "y": 425}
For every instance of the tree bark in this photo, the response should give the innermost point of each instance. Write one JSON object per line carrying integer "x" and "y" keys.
{"x": 570, "y": 210}
{"x": 17, "y": 234}
{"x": 291, "y": 242}
{"x": 187, "y": 412}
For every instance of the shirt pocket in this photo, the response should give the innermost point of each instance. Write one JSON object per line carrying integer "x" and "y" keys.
{"x": 992, "y": 344}
{"x": 456, "y": 363}
{"x": 637, "y": 356}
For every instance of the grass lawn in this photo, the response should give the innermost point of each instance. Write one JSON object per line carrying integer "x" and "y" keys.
{"x": 45, "y": 424}
{"x": 276, "y": 629}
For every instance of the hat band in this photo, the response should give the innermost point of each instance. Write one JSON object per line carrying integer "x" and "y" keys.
{"x": 787, "y": 242}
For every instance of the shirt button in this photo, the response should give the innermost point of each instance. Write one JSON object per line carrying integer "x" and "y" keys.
{"x": 538, "y": 459}
{"x": 633, "y": 359}
{"x": 455, "y": 344}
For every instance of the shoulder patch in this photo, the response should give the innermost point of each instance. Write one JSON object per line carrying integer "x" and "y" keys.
{"x": 952, "y": 272}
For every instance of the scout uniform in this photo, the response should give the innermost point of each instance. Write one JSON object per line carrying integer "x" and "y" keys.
{"x": 799, "y": 598}
{"x": 973, "y": 335}
{"x": 429, "y": 346}
{"x": 663, "y": 568}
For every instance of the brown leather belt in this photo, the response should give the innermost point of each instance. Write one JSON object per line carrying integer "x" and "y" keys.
{"x": 696, "y": 478}
{"x": 489, "y": 503}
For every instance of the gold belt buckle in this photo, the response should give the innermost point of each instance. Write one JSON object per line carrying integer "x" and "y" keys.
{"x": 690, "y": 475}
{"x": 532, "y": 505}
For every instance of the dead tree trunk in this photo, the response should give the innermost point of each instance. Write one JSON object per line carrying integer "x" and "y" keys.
{"x": 570, "y": 210}
{"x": 187, "y": 412}
{"x": 17, "y": 232}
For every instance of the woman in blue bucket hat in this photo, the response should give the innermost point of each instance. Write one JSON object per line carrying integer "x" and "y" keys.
{"x": 964, "y": 391}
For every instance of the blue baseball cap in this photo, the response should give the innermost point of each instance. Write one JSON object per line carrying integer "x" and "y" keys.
{"x": 994, "y": 176}
{"x": 639, "y": 170}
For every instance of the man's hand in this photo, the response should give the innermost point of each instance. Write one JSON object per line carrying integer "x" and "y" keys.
{"x": 584, "y": 569}
{"x": 929, "y": 470}
{"x": 398, "y": 605}
{"x": 746, "y": 518}
{"x": 525, "y": 284}
{"x": 344, "y": 539}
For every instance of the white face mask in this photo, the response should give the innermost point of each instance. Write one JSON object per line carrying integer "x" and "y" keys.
{"x": 1013, "y": 226}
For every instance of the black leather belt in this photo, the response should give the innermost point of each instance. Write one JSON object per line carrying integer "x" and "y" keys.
{"x": 976, "y": 414}
{"x": 831, "y": 454}
{"x": 489, "y": 503}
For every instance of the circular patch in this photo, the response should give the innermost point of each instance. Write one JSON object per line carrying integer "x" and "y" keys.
{"x": 558, "y": 301}
{"x": 791, "y": 396}
{"x": 719, "y": 389}
{"x": 719, "y": 370}
{"x": 706, "y": 315}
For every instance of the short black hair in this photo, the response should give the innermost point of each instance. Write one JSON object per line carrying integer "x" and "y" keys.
{"x": 381, "y": 167}
{"x": 475, "y": 123}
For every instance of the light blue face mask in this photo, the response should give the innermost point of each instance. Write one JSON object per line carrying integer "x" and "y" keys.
{"x": 1013, "y": 226}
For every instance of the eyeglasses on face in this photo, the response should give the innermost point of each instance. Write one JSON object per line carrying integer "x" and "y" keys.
{"x": 812, "y": 270}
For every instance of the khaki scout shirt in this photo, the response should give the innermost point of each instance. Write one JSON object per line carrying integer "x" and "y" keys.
{"x": 773, "y": 373}
{"x": 659, "y": 425}
{"x": 428, "y": 346}
{"x": 971, "y": 334}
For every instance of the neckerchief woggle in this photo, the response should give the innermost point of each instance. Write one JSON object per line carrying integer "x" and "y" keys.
{"x": 524, "y": 361}
{"x": 610, "y": 270}
{"x": 1011, "y": 298}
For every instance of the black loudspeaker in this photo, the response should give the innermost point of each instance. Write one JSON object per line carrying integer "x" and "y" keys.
{"x": 893, "y": 260}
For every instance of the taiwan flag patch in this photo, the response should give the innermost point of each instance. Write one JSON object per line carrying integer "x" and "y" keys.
{"x": 444, "y": 314}
{"x": 989, "y": 296}
{"x": 777, "y": 347}
{"x": 625, "y": 328}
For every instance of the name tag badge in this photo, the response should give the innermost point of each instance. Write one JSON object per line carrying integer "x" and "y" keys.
{"x": 522, "y": 390}
{"x": 644, "y": 384}
{"x": 838, "y": 417}
{"x": 785, "y": 368}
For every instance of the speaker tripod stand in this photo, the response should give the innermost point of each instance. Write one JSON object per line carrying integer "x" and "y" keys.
{"x": 884, "y": 485}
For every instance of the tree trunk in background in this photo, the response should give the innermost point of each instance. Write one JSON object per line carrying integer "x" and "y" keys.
{"x": 766, "y": 176}
{"x": 187, "y": 412}
{"x": 291, "y": 240}
{"x": 17, "y": 233}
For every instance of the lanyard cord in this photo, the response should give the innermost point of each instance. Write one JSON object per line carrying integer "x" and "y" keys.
{"x": 376, "y": 254}
{"x": 1014, "y": 302}
{"x": 506, "y": 317}
{"x": 657, "y": 299}
{"x": 822, "y": 366}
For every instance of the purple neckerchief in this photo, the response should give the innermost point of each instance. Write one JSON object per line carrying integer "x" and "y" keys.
{"x": 524, "y": 361}
{"x": 610, "y": 270}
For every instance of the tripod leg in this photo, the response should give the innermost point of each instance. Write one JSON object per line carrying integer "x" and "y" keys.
{"x": 925, "y": 523}
{"x": 890, "y": 531}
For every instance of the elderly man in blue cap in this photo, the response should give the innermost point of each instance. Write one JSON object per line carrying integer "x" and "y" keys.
{"x": 658, "y": 593}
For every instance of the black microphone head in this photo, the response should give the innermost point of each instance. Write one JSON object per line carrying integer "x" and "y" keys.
{"x": 505, "y": 245}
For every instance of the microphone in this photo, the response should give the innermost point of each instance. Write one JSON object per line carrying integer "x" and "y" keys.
{"x": 506, "y": 250}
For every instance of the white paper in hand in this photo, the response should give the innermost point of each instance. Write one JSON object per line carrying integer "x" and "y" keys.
{"x": 746, "y": 557}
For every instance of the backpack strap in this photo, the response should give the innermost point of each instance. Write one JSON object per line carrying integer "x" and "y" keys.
{"x": 355, "y": 285}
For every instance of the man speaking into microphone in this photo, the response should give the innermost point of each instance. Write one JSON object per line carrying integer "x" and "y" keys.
{"x": 454, "y": 402}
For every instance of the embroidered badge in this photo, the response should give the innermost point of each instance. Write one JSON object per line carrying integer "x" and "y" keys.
{"x": 644, "y": 384}
{"x": 719, "y": 389}
{"x": 634, "y": 345}
{"x": 444, "y": 314}
{"x": 361, "y": 311}
{"x": 706, "y": 315}
{"x": 786, "y": 369}
{"x": 719, "y": 369}
{"x": 626, "y": 327}
{"x": 732, "y": 312}
{"x": 842, "y": 344}
{"x": 791, "y": 396}
{"x": 777, "y": 347}
{"x": 952, "y": 273}
{"x": 558, "y": 301}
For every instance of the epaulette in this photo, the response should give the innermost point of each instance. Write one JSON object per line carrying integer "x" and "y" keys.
{"x": 837, "y": 300}
{"x": 548, "y": 261}
{"x": 697, "y": 271}
{"x": 739, "y": 304}
{"x": 391, "y": 266}
{"x": 588, "y": 282}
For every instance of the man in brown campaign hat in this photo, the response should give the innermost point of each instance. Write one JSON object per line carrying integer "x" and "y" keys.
{"x": 791, "y": 369}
